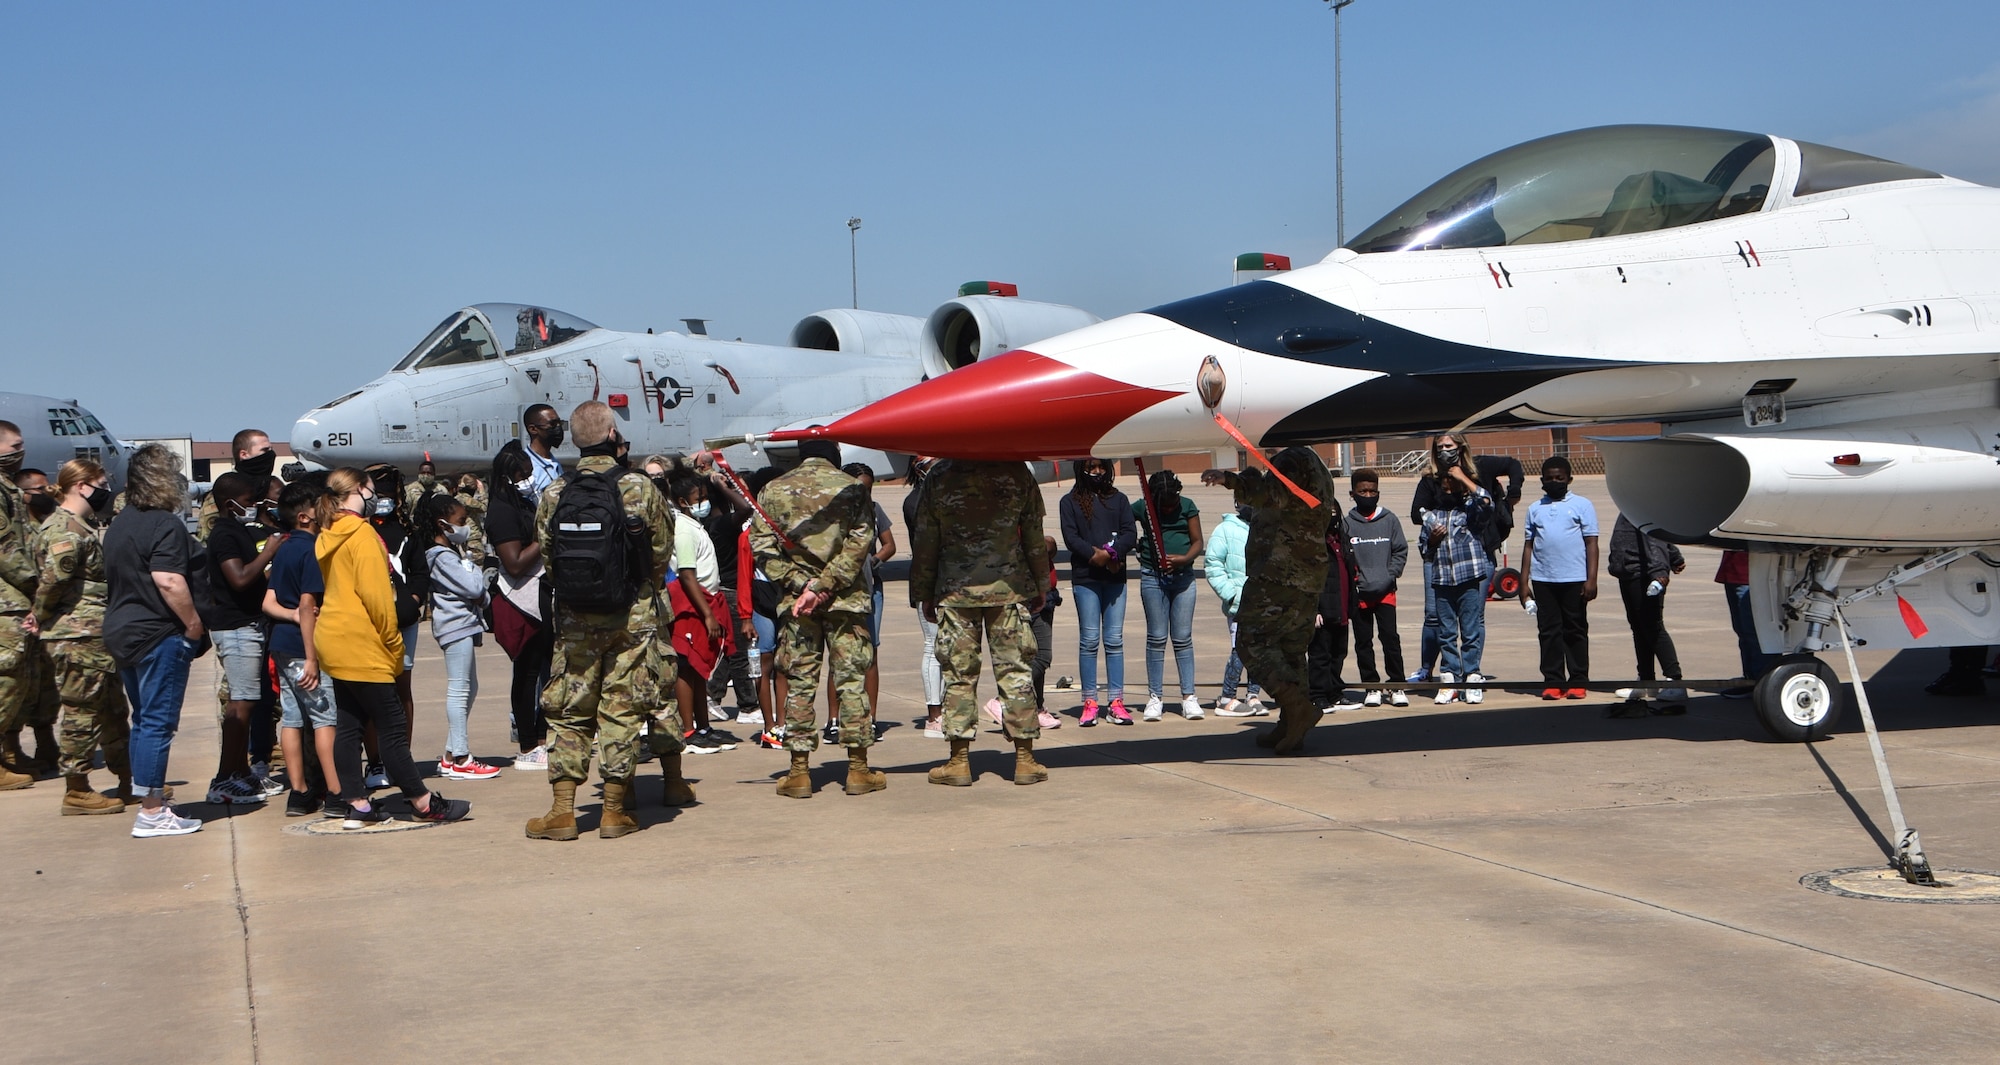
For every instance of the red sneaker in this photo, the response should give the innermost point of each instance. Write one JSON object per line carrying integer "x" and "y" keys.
{"x": 1576, "y": 693}
{"x": 467, "y": 770}
{"x": 1552, "y": 693}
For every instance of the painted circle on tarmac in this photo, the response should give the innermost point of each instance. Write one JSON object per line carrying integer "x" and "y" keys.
{"x": 330, "y": 826}
{"x": 1884, "y": 884}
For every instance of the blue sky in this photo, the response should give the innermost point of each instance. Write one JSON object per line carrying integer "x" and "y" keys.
{"x": 220, "y": 215}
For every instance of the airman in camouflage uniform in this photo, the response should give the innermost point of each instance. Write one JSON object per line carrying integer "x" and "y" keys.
{"x": 19, "y": 573}
{"x": 605, "y": 677}
{"x": 980, "y": 562}
{"x": 472, "y": 492}
{"x": 825, "y": 528}
{"x": 70, "y": 606}
{"x": 1285, "y": 564}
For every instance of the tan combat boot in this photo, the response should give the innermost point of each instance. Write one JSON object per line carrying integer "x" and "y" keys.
{"x": 1026, "y": 769}
{"x": 678, "y": 791}
{"x": 860, "y": 779}
{"x": 12, "y": 781}
{"x": 615, "y": 822}
{"x": 78, "y": 798}
{"x": 958, "y": 771}
{"x": 798, "y": 784}
{"x": 560, "y": 821}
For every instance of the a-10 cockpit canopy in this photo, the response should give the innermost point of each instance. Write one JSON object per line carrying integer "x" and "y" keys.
{"x": 476, "y": 334}
{"x": 1609, "y": 181}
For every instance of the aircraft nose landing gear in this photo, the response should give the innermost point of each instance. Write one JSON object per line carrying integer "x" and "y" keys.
{"x": 1800, "y": 700}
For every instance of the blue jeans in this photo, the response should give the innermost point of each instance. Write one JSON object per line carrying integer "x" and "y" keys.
{"x": 1461, "y": 612}
{"x": 1744, "y": 622}
{"x": 1427, "y": 644}
{"x": 1234, "y": 669}
{"x": 155, "y": 688}
{"x": 933, "y": 671}
{"x": 1169, "y": 604}
{"x": 461, "y": 686}
{"x": 1100, "y": 618}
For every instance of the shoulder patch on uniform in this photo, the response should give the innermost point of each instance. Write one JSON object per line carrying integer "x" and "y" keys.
{"x": 62, "y": 545}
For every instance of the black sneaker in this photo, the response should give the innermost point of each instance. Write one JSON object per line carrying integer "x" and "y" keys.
{"x": 300, "y": 804}
{"x": 830, "y": 734}
{"x": 333, "y": 808}
{"x": 357, "y": 819}
{"x": 442, "y": 810}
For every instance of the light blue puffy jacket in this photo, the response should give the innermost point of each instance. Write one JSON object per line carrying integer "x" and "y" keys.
{"x": 1224, "y": 565}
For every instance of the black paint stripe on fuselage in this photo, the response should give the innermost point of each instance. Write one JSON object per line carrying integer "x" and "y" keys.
{"x": 1431, "y": 383}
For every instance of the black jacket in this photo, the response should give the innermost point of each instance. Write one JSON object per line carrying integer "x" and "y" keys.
{"x": 1638, "y": 556}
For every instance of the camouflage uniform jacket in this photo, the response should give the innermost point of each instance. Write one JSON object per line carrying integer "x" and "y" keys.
{"x": 20, "y": 551}
{"x": 1287, "y": 543}
{"x": 71, "y": 601}
{"x": 979, "y": 540}
{"x": 831, "y": 523}
{"x": 647, "y": 613}
{"x": 415, "y": 491}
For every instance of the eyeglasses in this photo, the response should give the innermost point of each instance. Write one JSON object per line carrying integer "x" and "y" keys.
{"x": 552, "y": 423}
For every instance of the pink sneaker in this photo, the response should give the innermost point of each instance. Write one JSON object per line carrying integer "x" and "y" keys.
{"x": 1089, "y": 713}
{"x": 1048, "y": 720}
{"x": 995, "y": 711}
{"x": 467, "y": 770}
{"x": 1120, "y": 715}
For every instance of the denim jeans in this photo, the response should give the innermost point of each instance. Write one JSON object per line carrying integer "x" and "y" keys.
{"x": 1744, "y": 621}
{"x": 1428, "y": 642}
{"x": 1100, "y": 619}
{"x": 1461, "y": 626}
{"x": 1169, "y": 605}
{"x": 1234, "y": 670}
{"x": 932, "y": 671}
{"x": 461, "y": 686}
{"x": 155, "y": 688}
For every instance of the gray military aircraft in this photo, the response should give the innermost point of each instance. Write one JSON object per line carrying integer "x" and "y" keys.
{"x": 459, "y": 395}
{"x": 58, "y": 430}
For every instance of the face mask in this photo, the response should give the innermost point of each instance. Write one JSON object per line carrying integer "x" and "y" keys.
{"x": 246, "y": 515}
{"x": 1555, "y": 489}
{"x": 699, "y": 511}
{"x": 1101, "y": 480}
{"x": 11, "y": 464}
{"x": 97, "y": 497}
{"x": 1365, "y": 505}
{"x": 458, "y": 534}
{"x": 381, "y": 507}
{"x": 552, "y": 436}
{"x": 41, "y": 505}
{"x": 1447, "y": 455}
{"x": 258, "y": 465}
{"x": 427, "y": 479}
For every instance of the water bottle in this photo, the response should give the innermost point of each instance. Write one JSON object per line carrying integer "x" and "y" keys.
{"x": 1655, "y": 588}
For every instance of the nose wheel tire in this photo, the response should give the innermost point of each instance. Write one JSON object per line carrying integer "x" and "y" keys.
{"x": 1799, "y": 700}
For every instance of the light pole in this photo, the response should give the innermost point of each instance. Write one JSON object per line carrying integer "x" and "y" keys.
{"x": 853, "y": 264}
{"x": 1339, "y": 169}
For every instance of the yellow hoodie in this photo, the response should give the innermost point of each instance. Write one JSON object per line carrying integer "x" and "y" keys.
{"x": 356, "y": 637}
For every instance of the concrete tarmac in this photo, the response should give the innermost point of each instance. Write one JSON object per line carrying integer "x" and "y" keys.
{"x": 1514, "y": 881}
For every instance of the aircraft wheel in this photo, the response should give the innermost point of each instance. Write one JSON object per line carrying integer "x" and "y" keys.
{"x": 1799, "y": 700}
{"x": 1507, "y": 583}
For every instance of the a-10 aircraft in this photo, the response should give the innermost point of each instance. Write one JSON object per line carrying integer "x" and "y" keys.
{"x": 58, "y": 430}
{"x": 1817, "y": 330}
{"x": 459, "y": 395}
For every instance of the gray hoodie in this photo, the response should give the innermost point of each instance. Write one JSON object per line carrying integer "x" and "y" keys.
{"x": 458, "y": 593}
{"x": 1380, "y": 550}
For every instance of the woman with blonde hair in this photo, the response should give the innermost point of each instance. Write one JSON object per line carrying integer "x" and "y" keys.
{"x": 361, "y": 647}
{"x": 69, "y": 606}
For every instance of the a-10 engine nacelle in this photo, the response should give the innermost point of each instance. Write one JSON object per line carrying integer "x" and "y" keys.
{"x": 971, "y": 328}
{"x": 1927, "y": 480}
{"x": 861, "y": 332}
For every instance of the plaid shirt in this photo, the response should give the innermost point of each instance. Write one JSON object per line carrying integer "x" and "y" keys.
{"x": 1460, "y": 556}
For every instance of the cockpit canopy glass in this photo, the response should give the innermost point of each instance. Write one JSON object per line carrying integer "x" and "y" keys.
{"x": 1599, "y": 182}
{"x": 1824, "y": 169}
{"x": 465, "y": 337}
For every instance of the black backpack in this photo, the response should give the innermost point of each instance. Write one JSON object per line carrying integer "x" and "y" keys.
{"x": 599, "y": 553}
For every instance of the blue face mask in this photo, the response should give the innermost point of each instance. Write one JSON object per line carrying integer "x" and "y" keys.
{"x": 699, "y": 511}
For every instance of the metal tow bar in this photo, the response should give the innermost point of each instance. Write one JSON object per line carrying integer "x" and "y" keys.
{"x": 1908, "y": 858}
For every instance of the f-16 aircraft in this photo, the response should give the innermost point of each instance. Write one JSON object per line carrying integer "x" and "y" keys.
{"x": 58, "y": 430}
{"x": 1818, "y": 330}
{"x": 461, "y": 392}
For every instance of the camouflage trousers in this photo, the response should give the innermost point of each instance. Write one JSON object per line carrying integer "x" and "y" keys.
{"x": 1010, "y": 636}
{"x": 603, "y": 685}
{"x": 18, "y": 658}
{"x": 93, "y": 705}
{"x": 804, "y": 645}
{"x": 47, "y": 704}
{"x": 1271, "y": 640}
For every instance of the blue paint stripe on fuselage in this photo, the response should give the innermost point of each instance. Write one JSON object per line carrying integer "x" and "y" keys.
{"x": 1430, "y": 383}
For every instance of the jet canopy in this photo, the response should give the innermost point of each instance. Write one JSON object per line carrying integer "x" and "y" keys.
{"x": 489, "y": 331}
{"x": 1609, "y": 181}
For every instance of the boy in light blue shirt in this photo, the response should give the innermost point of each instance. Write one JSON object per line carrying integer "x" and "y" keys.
{"x": 1558, "y": 577}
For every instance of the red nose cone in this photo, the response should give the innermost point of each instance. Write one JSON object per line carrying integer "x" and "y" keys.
{"x": 1016, "y": 405}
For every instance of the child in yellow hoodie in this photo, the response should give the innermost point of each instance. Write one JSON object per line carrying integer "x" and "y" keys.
{"x": 361, "y": 649}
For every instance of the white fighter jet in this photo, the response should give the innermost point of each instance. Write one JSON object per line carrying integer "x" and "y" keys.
{"x": 58, "y": 430}
{"x": 1818, "y": 330}
{"x": 459, "y": 395}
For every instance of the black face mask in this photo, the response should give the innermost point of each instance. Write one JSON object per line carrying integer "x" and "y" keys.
{"x": 1448, "y": 456}
{"x": 258, "y": 466}
{"x": 41, "y": 505}
{"x": 1366, "y": 505}
{"x": 552, "y": 436}
{"x": 1555, "y": 489}
{"x": 97, "y": 498}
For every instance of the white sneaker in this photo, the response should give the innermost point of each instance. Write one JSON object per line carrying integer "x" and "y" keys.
{"x": 1397, "y": 698}
{"x": 1224, "y": 706}
{"x": 1256, "y": 708}
{"x": 1191, "y": 708}
{"x": 1673, "y": 696}
{"x": 1625, "y": 694}
{"x": 1634, "y": 695}
{"x": 750, "y": 717}
{"x": 535, "y": 761}
{"x": 162, "y": 822}
{"x": 1373, "y": 698}
{"x": 1474, "y": 695}
{"x": 1445, "y": 695}
{"x": 717, "y": 713}
{"x": 1154, "y": 708}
